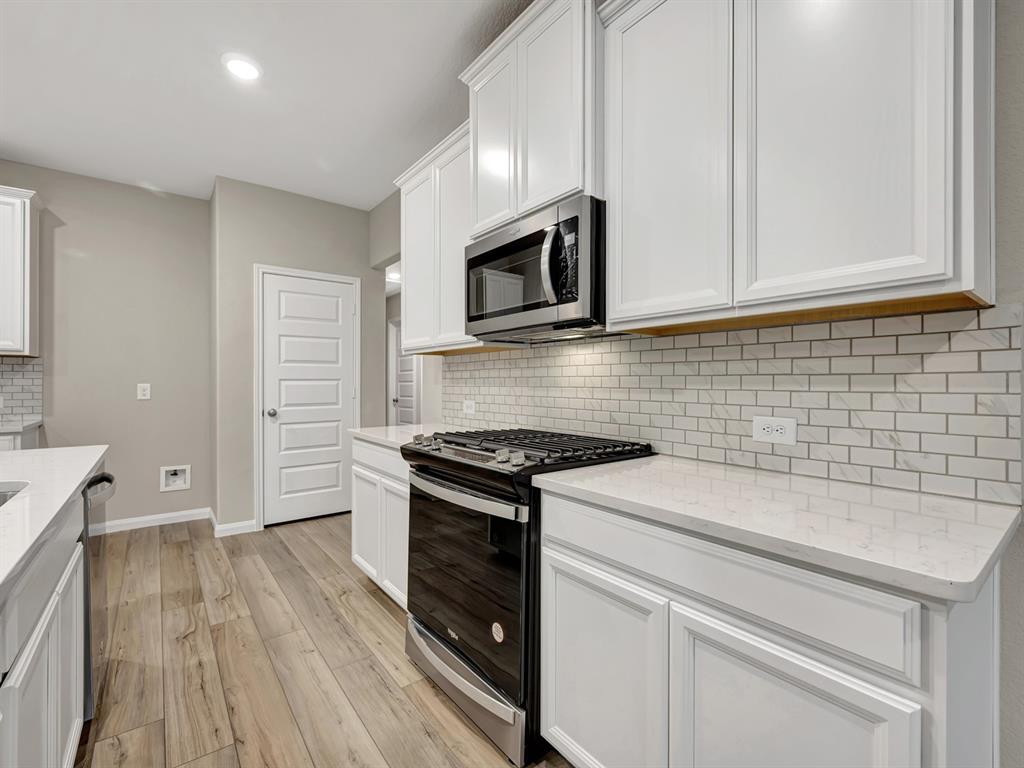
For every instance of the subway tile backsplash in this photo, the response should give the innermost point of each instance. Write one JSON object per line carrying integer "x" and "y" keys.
{"x": 21, "y": 385}
{"x": 929, "y": 403}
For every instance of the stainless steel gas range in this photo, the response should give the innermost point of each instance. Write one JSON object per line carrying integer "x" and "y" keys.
{"x": 474, "y": 535}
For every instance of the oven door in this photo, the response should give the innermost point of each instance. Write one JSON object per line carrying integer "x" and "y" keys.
{"x": 467, "y": 577}
{"x": 533, "y": 273}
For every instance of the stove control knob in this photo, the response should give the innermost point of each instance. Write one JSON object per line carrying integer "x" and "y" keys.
{"x": 517, "y": 459}
{"x": 501, "y": 455}
{"x": 417, "y": 439}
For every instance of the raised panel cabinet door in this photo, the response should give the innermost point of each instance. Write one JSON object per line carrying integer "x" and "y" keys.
{"x": 604, "y": 656}
{"x": 27, "y": 701}
{"x": 550, "y": 99}
{"x": 395, "y": 548}
{"x": 453, "y": 224}
{"x": 419, "y": 262}
{"x": 366, "y": 521}
{"x": 844, "y": 146}
{"x": 668, "y": 78}
{"x": 14, "y": 266}
{"x": 492, "y": 114}
{"x": 70, "y": 661}
{"x": 739, "y": 700}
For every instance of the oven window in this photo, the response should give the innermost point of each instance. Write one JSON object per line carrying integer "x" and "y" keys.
{"x": 465, "y": 584}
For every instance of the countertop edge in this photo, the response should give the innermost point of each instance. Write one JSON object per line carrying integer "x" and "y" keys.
{"x": 885, "y": 576}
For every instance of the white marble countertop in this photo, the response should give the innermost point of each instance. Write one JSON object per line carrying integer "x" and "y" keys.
{"x": 53, "y": 475}
{"x": 13, "y": 425}
{"x": 397, "y": 436}
{"x": 936, "y": 546}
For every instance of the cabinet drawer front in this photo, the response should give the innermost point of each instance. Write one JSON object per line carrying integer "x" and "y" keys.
{"x": 380, "y": 459}
{"x": 871, "y": 628}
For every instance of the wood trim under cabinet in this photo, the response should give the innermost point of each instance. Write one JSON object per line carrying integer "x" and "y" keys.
{"x": 940, "y": 303}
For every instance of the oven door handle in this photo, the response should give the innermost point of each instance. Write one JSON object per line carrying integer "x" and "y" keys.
{"x": 463, "y": 498}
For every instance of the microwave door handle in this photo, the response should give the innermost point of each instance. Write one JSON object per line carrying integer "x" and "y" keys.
{"x": 472, "y": 501}
{"x": 545, "y": 265}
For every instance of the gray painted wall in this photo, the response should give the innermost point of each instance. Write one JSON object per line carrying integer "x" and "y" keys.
{"x": 385, "y": 230}
{"x": 260, "y": 225}
{"x": 126, "y": 299}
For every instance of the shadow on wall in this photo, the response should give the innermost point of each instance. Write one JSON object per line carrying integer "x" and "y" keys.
{"x": 49, "y": 223}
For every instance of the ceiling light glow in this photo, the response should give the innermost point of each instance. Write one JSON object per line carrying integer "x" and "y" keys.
{"x": 241, "y": 66}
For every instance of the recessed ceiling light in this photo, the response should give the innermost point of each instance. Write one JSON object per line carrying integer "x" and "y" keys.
{"x": 241, "y": 66}
{"x": 394, "y": 276}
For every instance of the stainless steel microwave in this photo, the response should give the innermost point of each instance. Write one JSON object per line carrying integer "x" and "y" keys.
{"x": 540, "y": 278}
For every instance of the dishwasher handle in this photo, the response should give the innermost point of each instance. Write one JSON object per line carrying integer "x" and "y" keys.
{"x": 100, "y": 488}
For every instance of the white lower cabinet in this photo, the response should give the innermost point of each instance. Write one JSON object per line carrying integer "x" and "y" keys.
{"x": 736, "y": 699}
{"x": 661, "y": 649}
{"x": 41, "y": 699}
{"x": 596, "y": 709}
{"x": 380, "y": 521}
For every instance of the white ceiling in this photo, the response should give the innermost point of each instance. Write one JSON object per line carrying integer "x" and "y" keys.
{"x": 353, "y": 91}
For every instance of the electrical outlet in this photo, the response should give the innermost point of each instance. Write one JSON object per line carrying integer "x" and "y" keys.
{"x": 469, "y": 407}
{"x": 142, "y": 391}
{"x": 774, "y": 429}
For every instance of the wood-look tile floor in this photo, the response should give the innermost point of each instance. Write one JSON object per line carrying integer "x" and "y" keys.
{"x": 263, "y": 649}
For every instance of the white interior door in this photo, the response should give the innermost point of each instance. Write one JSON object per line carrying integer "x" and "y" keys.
{"x": 309, "y": 395}
{"x": 402, "y": 381}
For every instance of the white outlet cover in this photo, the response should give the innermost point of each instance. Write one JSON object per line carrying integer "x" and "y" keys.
{"x": 774, "y": 429}
{"x": 469, "y": 407}
{"x": 142, "y": 391}
{"x": 177, "y": 478}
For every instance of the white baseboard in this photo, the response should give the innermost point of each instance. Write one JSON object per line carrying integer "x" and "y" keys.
{"x": 167, "y": 518}
{"x": 230, "y": 529}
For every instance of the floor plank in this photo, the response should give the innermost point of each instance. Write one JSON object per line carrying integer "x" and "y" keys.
{"x": 179, "y": 578}
{"x": 269, "y": 607}
{"x": 462, "y": 737}
{"x": 195, "y": 713}
{"x": 139, "y": 748}
{"x": 336, "y": 639}
{"x": 133, "y": 692}
{"x": 221, "y": 592}
{"x": 173, "y": 533}
{"x": 384, "y": 637}
{"x": 273, "y": 550}
{"x": 222, "y": 758}
{"x": 141, "y": 564}
{"x": 238, "y": 545}
{"x": 317, "y": 562}
{"x": 265, "y": 730}
{"x": 201, "y": 533}
{"x": 333, "y": 732}
{"x": 401, "y": 733}
{"x": 338, "y": 528}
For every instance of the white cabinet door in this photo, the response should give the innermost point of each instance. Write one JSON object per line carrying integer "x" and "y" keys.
{"x": 668, "y": 70}
{"x": 17, "y": 281}
{"x": 453, "y": 223}
{"x": 70, "y": 661}
{"x": 739, "y": 700}
{"x": 366, "y": 523}
{"x": 550, "y": 106}
{"x": 27, "y": 718}
{"x": 604, "y": 686}
{"x": 419, "y": 265}
{"x": 843, "y": 158}
{"x": 492, "y": 115}
{"x": 394, "y": 506}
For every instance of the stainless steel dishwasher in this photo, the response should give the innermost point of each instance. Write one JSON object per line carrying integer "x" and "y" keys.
{"x": 96, "y": 493}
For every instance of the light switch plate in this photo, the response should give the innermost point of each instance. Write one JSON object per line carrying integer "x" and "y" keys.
{"x": 142, "y": 391}
{"x": 774, "y": 429}
{"x": 469, "y": 407}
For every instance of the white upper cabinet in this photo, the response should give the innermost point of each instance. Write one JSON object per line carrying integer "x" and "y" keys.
{"x": 532, "y": 113}
{"x": 19, "y": 279}
{"x": 667, "y": 167}
{"x": 774, "y": 156}
{"x": 843, "y": 168}
{"x": 435, "y": 232}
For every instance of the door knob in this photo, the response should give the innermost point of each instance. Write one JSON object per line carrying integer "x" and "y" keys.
{"x": 272, "y": 412}
{"x": 394, "y": 400}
